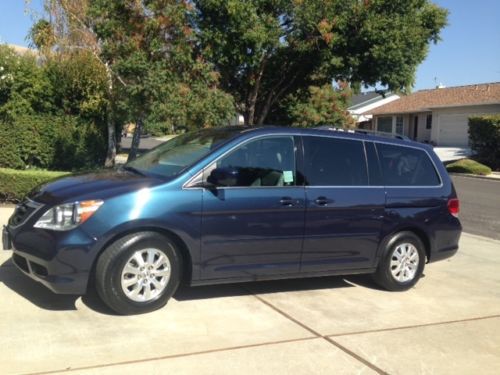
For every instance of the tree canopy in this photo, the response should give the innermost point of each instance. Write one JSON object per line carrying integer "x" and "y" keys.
{"x": 266, "y": 50}
{"x": 147, "y": 51}
{"x": 165, "y": 64}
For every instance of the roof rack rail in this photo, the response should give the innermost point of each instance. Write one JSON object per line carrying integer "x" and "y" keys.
{"x": 364, "y": 131}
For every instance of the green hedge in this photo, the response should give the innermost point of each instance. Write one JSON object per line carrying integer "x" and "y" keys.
{"x": 484, "y": 134}
{"x": 15, "y": 184}
{"x": 468, "y": 166}
{"x": 51, "y": 142}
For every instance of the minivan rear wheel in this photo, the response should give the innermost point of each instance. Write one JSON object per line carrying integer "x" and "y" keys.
{"x": 138, "y": 273}
{"x": 402, "y": 262}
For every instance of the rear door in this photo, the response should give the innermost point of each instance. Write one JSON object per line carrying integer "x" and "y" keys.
{"x": 255, "y": 226}
{"x": 344, "y": 212}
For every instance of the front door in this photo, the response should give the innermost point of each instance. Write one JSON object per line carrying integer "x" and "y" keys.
{"x": 254, "y": 225}
{"x": 344, "y": 212}
{"x": 415, "y": 127}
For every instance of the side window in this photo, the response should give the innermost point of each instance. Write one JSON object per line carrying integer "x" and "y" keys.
{"x": 404, "y": 166}
{"x": 263, "y": 162}
{"x": 334, "y": 162}
{"x": 428, "y": 122}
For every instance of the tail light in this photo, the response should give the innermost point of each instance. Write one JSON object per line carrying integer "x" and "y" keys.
{"x": 454, "y": 206}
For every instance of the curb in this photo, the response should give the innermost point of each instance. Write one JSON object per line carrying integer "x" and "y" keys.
{"x": 475, "y": 176}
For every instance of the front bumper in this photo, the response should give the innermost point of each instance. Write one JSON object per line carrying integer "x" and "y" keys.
{"x": 38, "y": 270}
{"x": 59, "y": 260}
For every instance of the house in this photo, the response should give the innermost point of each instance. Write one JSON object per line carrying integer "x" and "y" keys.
{"x": 361, "y": 105}
{"x": 438, "y": 116}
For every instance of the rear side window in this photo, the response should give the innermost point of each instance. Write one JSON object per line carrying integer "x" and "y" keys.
{"x": 405, "y": 166}
{"x": 334, "y": 162}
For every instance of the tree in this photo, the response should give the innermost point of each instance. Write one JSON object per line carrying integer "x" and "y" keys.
{"x": 267, "y": 50}
{"x": 150, "y": 46}
{"x": 79, "y": 85}
{"x": 147, "y": 51}
{"x": 24, "y": 88}
{"x": 323, "y": 105}
{"x": 68, "y": 32}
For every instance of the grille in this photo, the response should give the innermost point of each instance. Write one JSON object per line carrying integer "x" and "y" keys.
{"x": 23, "y": 211}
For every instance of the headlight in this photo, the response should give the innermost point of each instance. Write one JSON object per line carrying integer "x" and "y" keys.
{"x": 68, "y": 216}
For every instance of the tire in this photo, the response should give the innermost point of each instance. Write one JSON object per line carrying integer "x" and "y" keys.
{"x": 129, "y": 286}
{"x": 400, "y": 252}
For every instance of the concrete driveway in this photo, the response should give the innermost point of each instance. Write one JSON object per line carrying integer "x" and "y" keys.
{"x": 449, "y": 323}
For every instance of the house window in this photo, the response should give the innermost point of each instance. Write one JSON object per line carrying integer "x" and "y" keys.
{"x": 384, "y": 124}
{"x": 428, "y": 124}
{"x": 399, "y": 125}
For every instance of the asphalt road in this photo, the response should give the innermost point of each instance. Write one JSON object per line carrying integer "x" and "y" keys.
{"x": 479, "y": 205}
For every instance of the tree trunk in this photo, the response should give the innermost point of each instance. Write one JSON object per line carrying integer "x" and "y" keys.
{"x": 119, "y": 136}
{"x": 272, "y": 97}
{"x": 111, "y": 153}
{"x": 245, "y": 119}
{"x": 252, "y": 100}
{"x": 136, "y": 140}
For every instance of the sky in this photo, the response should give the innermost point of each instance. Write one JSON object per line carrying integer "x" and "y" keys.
{"x": 468, "y": 53}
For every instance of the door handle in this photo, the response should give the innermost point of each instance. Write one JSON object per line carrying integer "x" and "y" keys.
{"x": 287, "y": 201}
{"x": 322, "y": 201}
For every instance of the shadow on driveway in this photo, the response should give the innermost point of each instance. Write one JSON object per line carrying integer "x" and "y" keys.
{"x": 42, "y": 297}
{"x": 34, "y": 292}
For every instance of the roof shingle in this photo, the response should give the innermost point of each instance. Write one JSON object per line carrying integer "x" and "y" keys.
{"x": 425, "y": 100}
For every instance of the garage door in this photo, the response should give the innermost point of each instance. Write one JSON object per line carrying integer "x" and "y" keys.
{"x": 453, "y": 130}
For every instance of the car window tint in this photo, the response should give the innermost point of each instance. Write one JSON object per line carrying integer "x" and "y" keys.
{"x": 405, "y": 166}
{"x": 334, "y": 162}
{"x": 263, "y": 162}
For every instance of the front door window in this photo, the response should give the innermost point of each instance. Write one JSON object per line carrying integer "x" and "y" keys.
{"x": 267, "y": 162}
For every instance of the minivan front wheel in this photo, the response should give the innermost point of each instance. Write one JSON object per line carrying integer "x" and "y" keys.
{"x": 402, "y": 263}
{"x": 138, "y": 273}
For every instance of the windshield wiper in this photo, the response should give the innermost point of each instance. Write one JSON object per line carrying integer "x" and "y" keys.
{"x": 133, "y": 170}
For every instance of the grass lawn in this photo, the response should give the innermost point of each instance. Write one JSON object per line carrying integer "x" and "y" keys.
{"x": 468, "y": 166}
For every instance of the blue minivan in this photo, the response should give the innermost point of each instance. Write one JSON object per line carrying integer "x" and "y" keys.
{"x": 236, "y": 204}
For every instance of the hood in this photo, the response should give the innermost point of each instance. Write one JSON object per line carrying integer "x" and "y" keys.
{"x": 99, "y": 185}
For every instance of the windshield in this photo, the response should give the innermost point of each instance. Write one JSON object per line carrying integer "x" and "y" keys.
{"x": 172, "y": 157}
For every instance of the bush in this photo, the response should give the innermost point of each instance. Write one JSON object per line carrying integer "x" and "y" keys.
{"x": 51, "y": 142}
{"x": 468, "y": 166}
{"x": 14, "y": 184}
{"x": 484, "y": 134}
